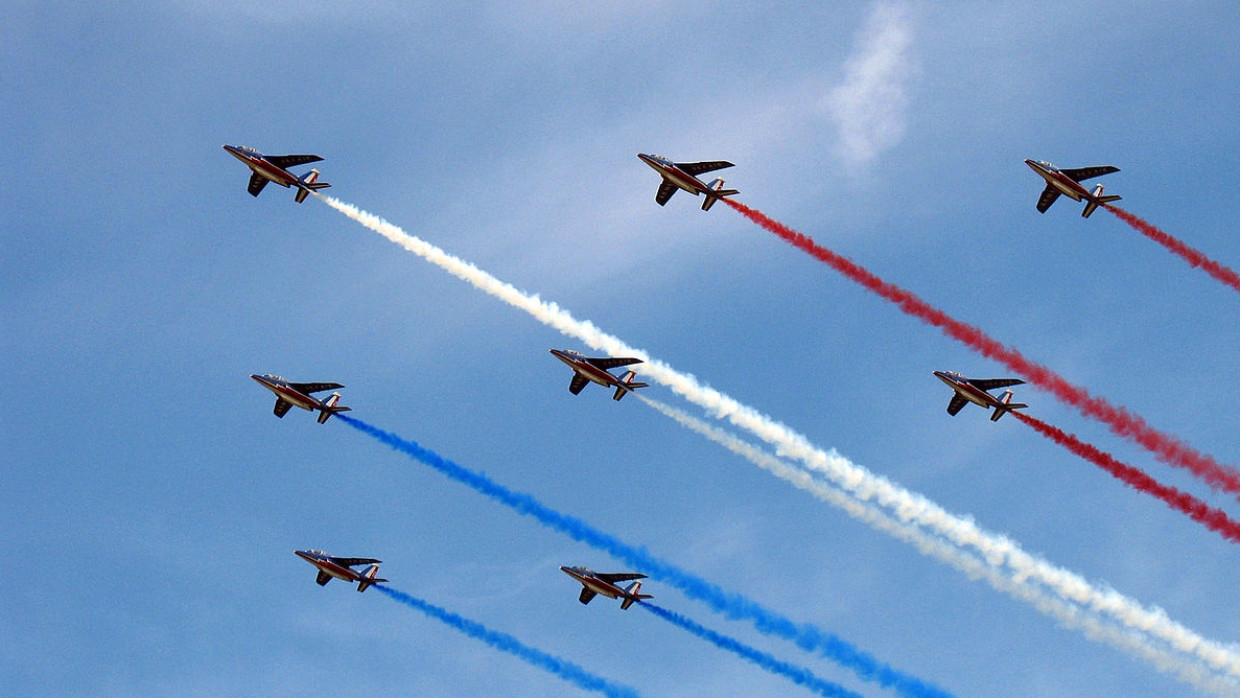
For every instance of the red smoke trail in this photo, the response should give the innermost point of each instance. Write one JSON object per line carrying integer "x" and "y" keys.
{"x": 1193, "y": 257}
{"x": 1199, "y": 511}
{"x": 1165, "y": 447}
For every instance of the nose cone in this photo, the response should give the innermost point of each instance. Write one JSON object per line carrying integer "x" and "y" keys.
{"x": 649, "y": 160}
{"x": 944, "y": 377}
{"x": 303, "y": 555}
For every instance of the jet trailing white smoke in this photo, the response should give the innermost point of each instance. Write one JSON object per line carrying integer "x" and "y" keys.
{"x": 1006, "y": 558}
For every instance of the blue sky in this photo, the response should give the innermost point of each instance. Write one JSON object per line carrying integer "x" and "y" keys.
{"x": 150, "y": 502}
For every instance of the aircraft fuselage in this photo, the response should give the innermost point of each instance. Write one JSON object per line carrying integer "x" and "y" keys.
{"x": 1063, "y": 183}
{"x": 263, "y": 167}
{"x": 594, "y": 584}
{"x": 288, "y": 394}
{"x": 670, "y": 172}
{"x": 327, "y": 566}
{"x": 968, "y": 391}
{"x": 586, "y": 369}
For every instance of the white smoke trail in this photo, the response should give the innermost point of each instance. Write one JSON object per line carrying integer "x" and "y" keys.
{"x": 908, "y": 507}
{"x": 1069, "y": 615}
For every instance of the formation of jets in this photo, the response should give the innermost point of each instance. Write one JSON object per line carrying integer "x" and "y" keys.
{"x": 675, "y": 176}
{"x": 342, "y": 568}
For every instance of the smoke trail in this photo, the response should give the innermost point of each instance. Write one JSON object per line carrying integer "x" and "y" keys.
{"x": 860, "y": 483}
{"x": 1213, "y": 519}
{"x": 501, "y": 641}
{"x": 734, "y": 606}
{"x": 1068, "y": 614}
{"x": 1193, "y": 257}
{"x": 1165, "y": 447}
{"x": 798, "y": 675}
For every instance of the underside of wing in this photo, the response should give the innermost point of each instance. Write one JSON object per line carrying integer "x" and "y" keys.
{"x": 697, "y": 168}
{"x": 257, "y": 182}
{"x": 353, "y": 561}
{"x": 287, "y": 161}
{"x": 958, "y": 402}
{"x": 578, "y": 384}
{"x": 1049, "y": 194}
{"x": 308, "y": 388}
{"x": 323, "y": 578}
{"x": 666, "y": 189}
{"x": 282, "y": 407}
{"x": 1083, "y": 173}
{"x": 614, "y": 362}
{"x": 586, "y": 594}
{"x": 992, "y": 383}
{"x": 612, "y": 578}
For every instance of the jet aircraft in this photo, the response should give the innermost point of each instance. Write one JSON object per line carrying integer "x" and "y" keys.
{"x": 289, "y": 394}
{"x": 274, "y": 168}
{"x": 975, "y": 390}
{"x": 595, "y": 583}
{"x": 587, "y": 370}
{"x": 1068, "y": 183}
{"x": 342, "y": 568}
{"x": 683, "y": 175}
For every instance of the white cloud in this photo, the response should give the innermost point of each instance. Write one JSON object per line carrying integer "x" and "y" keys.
{"x": 870, "y": 105}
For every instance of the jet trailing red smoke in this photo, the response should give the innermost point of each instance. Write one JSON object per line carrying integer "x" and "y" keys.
{"x": 1213, "y": 519}
{"x": 1166, "y": 448}
{"x": 1193, "y": 257}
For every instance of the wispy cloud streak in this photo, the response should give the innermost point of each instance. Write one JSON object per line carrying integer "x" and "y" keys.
{"x": 858, "y": 482}
{"x": 507, "y": 643}
{"x": 732, "y": 605}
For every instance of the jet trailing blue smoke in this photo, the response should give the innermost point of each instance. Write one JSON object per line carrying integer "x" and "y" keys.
{"x": 799, "y": 675}
{"x": 732, "y": 605}
{"x": 501, "y": 641}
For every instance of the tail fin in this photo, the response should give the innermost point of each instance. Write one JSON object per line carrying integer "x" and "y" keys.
{"x": 627, "y": 384}
{"x": 633, "y": 593}
{"x": 1008, "y": 406}
{"x": 330, "y": 407}
{"x": 1097, "y": 200}
{"x": 369, "y": 577}
{"x": 716, "y": 192}
{"x": 309, "y": 181}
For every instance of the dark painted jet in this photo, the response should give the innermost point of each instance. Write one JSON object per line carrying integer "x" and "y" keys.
{"x": 289, "y": 394}
{"x": 595, "y": 583}
{"x": 587, "y": 370}
{"x": 1068, "y": 183}
{"x": 274, "y": 168}
{"x": 342, "y": 568}
{"x": 975, "y": 390}
{"x": 683, "y": 175}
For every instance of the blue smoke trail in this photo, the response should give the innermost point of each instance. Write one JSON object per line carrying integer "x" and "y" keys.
{"x": 501, "y": 641}
{"x": 734, "y": 606}
{"x": 799, "y": 675}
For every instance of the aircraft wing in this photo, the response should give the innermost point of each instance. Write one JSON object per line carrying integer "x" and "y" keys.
{"x": 666, "y": 189}
{"x": 579, "y": 383}
{"x": 614, "y": 362}
{"x": 1083, "y": 173}
{"x": 619, "y": 577}
{"x": 257, "y": 182}
{"x": 323, "y": 578}
{"x": 282, "y": 407}
{"x": 992, "y": 383}
{"x": 958, "y": 402}
{"x": 697, "y": 168}
{"x": 287, "y": 161}
{"x": 307, "y": 388}
{"x": 586, "y": 594}
{"x": 1049, "y": 194}
{"x": 353, "y": 561}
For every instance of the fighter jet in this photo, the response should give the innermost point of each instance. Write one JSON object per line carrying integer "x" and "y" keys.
{"x": 290, "y": 394}
{"x": 342, "y": 568}
{"x": 274, "y": 168}
{"x": 595, "y": 583}
{"x": 587, "y": 370}
{"x": 683, "y": 175}
{"x": 974, "y": 390}
{"x": 1067, "y": 182}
